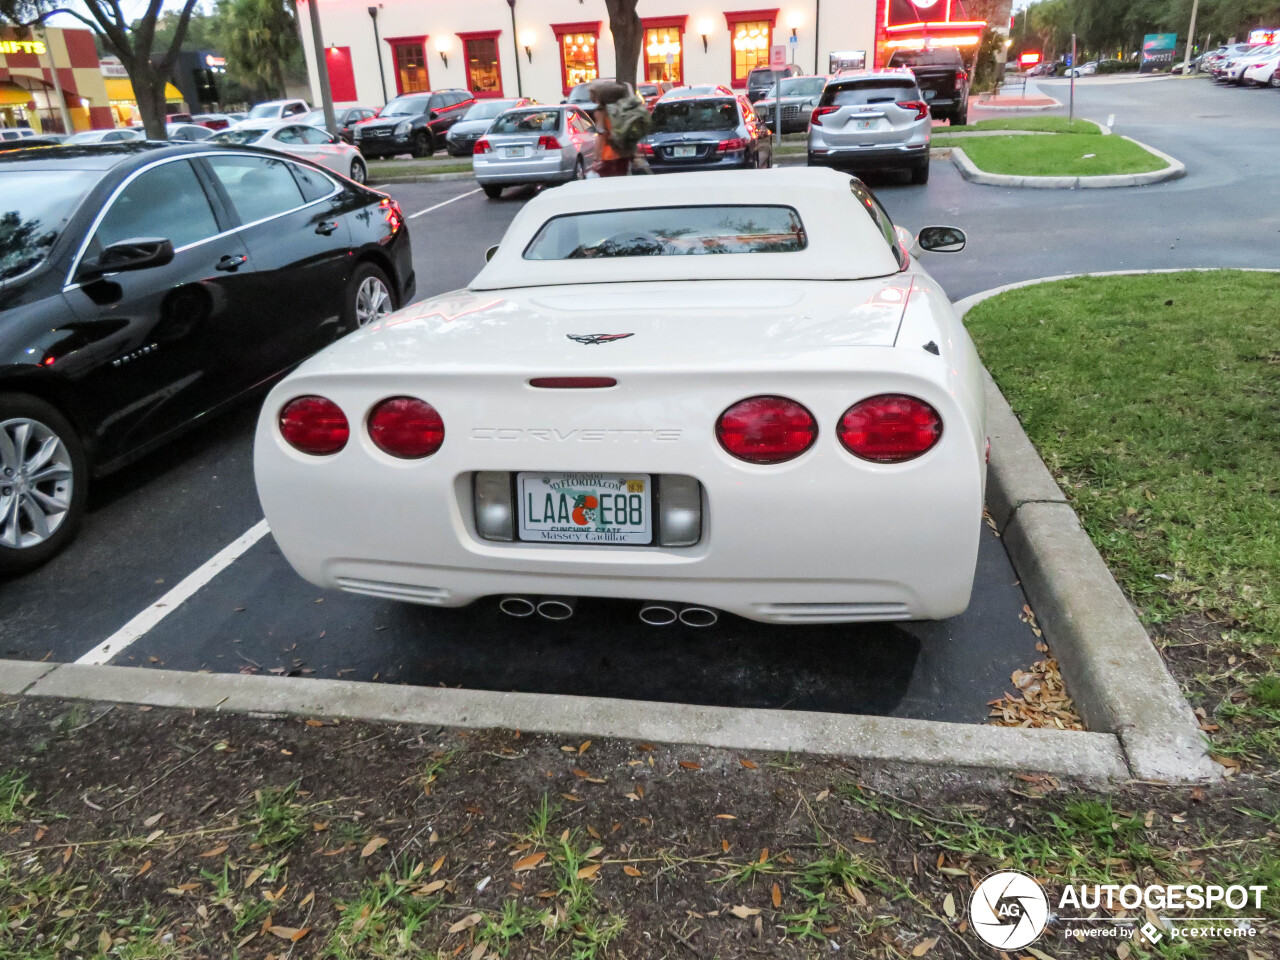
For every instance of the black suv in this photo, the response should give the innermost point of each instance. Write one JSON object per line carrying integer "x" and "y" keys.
{"x": 761, "y": 79}
{"x": 943, "y": 80}
{"x": 414, "y": 123}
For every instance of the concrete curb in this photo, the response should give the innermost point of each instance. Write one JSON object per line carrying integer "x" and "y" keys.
{"x": 1025, "y": 109}
{"x": 1092, "y": 756}
{"x": 970, "y": 171}
{"x": 17, "y": 675}
{"x": 1115, "y": 675}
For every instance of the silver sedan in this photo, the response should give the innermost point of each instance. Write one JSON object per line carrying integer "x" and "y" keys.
{"x": 534, "y": 145}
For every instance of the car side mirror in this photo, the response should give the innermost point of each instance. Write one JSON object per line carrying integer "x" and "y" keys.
{"x": 136, "y": 254}
{"x": 488, "y": 254}
{"x": 941, "y": 239}
{"x": 433, "y": 115}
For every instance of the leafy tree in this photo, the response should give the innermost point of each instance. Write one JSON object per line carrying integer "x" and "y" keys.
{"x": 260, "y": 38}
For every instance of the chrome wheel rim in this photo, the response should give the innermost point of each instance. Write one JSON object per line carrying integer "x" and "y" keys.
{"x": 36, "y": 482}
{"x": 373, "y": 301}
{"x": 357, "y": 172}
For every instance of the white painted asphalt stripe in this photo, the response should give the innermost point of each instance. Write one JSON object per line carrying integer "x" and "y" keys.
{"x": 148, "y": 618}
{"x": 1111, "y": 120}
{"x": 444, "y": 203}
{"x": 377, "y": 186}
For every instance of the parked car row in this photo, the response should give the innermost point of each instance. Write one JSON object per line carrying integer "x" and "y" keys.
{"x": 1247, "y": 64}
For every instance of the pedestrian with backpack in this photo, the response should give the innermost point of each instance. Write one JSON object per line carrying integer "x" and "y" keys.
{"x": 622, "y": 120}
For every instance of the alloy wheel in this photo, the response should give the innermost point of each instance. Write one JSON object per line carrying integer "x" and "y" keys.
{"x": 373, "y": 301}
{"x": 36, "y": 481}
{"x": 357, "y": 172}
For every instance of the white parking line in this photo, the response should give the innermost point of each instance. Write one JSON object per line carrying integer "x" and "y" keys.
{"x": 444, "y": 203}
{"x": 148, "y": 618}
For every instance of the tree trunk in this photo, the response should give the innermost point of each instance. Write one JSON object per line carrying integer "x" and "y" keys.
{"x": 148, "y": 89}
{"x": 628, "y": 36}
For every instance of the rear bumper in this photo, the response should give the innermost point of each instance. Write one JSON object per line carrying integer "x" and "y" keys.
{"x": 734, "y": 161}
{"x": 388, "y": 147}
{"x": 551, "y": 170}
{"x": 901, "y": 155}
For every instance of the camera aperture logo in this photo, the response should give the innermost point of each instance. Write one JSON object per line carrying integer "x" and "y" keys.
{"x": 1009, "y": 910}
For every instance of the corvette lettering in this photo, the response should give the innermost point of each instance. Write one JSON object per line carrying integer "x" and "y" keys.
{"x": 583, "y": 435}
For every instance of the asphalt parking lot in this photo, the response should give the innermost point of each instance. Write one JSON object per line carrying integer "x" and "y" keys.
{"x": 166, "y": 516}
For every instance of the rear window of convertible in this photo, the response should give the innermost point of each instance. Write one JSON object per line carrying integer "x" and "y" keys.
{"x": 669, "y": 232}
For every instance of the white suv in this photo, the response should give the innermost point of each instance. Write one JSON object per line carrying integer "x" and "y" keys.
{"x": 872, "y": 119}
{"x": 278, "y": 110}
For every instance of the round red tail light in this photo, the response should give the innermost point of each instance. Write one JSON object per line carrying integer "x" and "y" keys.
{"x": 890, "y": 428}
{"x": 314, "y": 425}
{"x": 406, "y": 427}
{"x": 766, "y": 429}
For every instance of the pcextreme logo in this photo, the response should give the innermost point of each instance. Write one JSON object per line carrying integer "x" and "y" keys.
{"x": 1009, "y": 910}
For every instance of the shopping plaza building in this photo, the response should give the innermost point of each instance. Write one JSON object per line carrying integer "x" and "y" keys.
{"x": 541, "y": 48}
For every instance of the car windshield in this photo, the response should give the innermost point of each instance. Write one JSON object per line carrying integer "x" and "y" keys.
{"x": 315, "y": 118}
{"x": 580, "y": 94}
{"x": 925, "y": 58}
{"x": 34, "y": 207}
{"x": 404, "y": 107}
{"x": 488, "y": 110}
{"x": 687, "y": 116}
{"x": 869, "y": 91}
{"x": 264, "y": 111}
{"x": 647, "y": 89}
{"x": 764, "y": 78}
{"x": 239, "y": 138}
{"x": 798, "y": 87}
{"x": 89, "y": 136}
{"x": 527, "y": 121}
{"x": 668, "y": 232}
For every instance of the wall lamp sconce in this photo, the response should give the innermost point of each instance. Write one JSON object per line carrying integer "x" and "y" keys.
{"x": 527, "y": 39}
{"x": 794, "y": 20}
{"x": 442, "y": 48}
{"x": 704, "y": 28}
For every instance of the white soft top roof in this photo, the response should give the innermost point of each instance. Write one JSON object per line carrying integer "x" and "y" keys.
{"x": 843, "y": 241}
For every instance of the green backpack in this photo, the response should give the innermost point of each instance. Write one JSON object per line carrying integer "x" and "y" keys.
{"x": 630, "y": 120}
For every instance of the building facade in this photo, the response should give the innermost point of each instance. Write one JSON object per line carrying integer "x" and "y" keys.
{"x": 29, "y": 91}
{"x": 541, "y": 48}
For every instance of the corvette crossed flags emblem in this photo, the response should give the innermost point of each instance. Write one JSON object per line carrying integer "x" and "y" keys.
{"x": 594, "y": 338}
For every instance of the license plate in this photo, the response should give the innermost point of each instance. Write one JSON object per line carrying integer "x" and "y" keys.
{"x": 684, "y": 151}
{"x": 930, "y": 94}
{"x": 513, "y": 151}
{"x": 867, "y": 124}
{"x": 585, "y": 507}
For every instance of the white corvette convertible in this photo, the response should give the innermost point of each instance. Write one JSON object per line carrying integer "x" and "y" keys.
{"x": 715, "y": 392}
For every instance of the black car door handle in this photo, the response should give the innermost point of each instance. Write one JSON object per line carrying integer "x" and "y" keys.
{"x": 231, "y": 263}
{"x": 326, "y": 227}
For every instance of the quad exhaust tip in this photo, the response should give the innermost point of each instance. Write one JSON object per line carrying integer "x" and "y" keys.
{"x": 698, "y": 616}
{"x": 517, "y": 606}
{"x": 557, "y": 608}
{"x": 658, "y": 615}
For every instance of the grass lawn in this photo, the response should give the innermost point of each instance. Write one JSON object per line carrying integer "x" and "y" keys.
{"x": 1046, "y": 124}
{"x": 1155, "y": 401}
{"x": 1063, "y": 155}
{"x": 382, "y": 171}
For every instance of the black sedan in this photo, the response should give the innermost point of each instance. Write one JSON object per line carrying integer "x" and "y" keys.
{"x": 705, "y": 133}
{"x": 143, "y": 285}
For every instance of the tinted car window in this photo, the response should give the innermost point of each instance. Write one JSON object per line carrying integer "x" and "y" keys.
{"x": 167, "y": 201}
{"x": 939, "y": 57}
{"x": 681, "y": 116}
{"x": 294, "y": 109}
{"x": 258, "y": 187}
{"x": 238, "y": 138}
{"x": 313, "y": 183}
{"x": 405, "y": 107}
{"x": 869, "y": 91}
{"x": 34, "y": 207}
{"x": 800, "y": 86}
{"x": 488, "y": 110}
{"x": 669, "y": 231}
{"x": 527, "y": 121}
{"x": 292, "y": 135}
{"x": 314, "y": 135}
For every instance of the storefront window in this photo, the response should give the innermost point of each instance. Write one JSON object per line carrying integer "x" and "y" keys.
{"x": 484, "y": 75}
{"x": 663, "y": 54}
{"x": 577, "y": 58}
{"x": 411, "y": 64}
{"x": 751, "y": 40}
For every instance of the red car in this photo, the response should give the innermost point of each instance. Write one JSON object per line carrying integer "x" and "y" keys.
{"x": 652, "y": 90}
{"x": 214, "y": 121}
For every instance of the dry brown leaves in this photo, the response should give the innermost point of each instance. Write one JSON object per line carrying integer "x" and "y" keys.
{"x": 1043, "y": 701}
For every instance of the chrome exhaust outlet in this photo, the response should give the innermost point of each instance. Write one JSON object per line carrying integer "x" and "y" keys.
{"x": 657, "y": 614}
{"x": 698, "y": 616}
{"x": 517, "y": 606}
{"x": 557, "y": 608}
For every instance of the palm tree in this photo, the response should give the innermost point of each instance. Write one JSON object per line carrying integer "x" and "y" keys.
{"x": 260, "y": 36}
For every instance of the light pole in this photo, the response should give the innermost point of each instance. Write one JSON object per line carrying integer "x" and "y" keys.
{"x": 322, "y": 69}
{"x": 1191, "y": 37}
{"x": 817, "y": 30}
{"x": 377, "y": 50}
{"x": 515, "y": 43}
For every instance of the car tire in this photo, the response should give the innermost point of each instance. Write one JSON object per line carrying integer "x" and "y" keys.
{"x": 370, "y": 296}
{"x": 579, "y": 169}
{"x": 43, "y": 422}
{"x": 421, "y": 145}
{"x": 920, "y": 173}
{"x": 1274, "y": 82}
{"x": 491, "y": 190}
{"x": 359, "y": 172}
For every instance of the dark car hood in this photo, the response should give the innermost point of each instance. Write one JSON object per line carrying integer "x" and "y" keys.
{"x": 380, "y": 122}
{"x": 469, "y": 128}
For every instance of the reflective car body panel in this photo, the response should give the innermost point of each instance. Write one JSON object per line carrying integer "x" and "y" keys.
{"x": 706, "y": 133}
{"x": 870, "y": 119}
{"x": 552, "y": 144}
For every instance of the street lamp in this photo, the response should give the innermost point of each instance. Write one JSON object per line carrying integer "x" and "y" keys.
{"x": 377, "y": 51}
{"x": 516, "y": 40}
